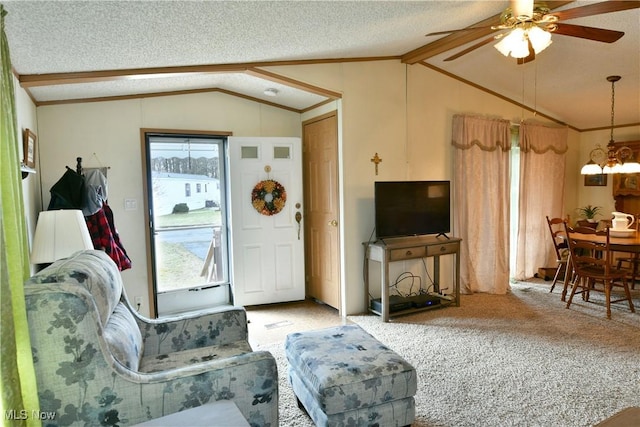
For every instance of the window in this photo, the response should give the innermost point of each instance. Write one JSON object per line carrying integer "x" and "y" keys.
{"x": 515, "y": 195}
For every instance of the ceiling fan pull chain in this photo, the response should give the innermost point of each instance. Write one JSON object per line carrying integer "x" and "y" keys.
{"x": 535, "y": 89}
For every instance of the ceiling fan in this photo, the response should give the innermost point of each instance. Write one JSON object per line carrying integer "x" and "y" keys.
{"x": 529, "y": 27}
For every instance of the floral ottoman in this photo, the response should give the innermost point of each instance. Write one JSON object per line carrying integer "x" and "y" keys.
{"x": 343, "y": 376}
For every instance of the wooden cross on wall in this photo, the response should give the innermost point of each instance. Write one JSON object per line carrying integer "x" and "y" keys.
{"x": 377, "y": 160}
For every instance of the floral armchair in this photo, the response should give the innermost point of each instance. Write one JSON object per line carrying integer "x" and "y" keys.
{"x": 98, "y": 362}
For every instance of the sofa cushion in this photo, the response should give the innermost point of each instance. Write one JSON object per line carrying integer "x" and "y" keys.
{"x": 123, "y": 337}
{"x": 94, "y": 271}
{"x": 179, "y": 359}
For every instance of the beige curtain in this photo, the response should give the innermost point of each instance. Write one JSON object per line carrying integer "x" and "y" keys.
{"x": 481, "y": 202}
{"x": 543, "y": 150}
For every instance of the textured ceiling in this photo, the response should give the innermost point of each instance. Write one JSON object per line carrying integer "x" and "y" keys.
{"x": 567, "y": 81}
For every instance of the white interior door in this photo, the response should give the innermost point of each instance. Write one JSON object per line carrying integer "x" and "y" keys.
{"x": 267, "y": 248}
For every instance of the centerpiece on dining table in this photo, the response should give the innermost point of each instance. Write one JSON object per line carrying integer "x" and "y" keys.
{"x": 621, "y": 225}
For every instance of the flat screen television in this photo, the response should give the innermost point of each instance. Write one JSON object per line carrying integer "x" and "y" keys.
{"x": 411, "y": 208}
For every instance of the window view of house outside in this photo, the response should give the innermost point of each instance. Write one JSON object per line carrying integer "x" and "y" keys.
{"x": 187, "y": 183}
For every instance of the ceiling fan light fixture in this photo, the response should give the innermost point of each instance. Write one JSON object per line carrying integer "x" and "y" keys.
{"x": 526, "y": 27}
{"x": 522, "y": 10}
{"x": 540, "y": 39}
{"x": 521, "y": 50}
{"x": 514, "y": 44}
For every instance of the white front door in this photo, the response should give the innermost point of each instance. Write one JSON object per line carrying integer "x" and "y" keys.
{"x": 267, "y": 246}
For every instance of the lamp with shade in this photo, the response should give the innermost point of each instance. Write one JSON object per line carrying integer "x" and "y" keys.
{"x": 59, "y": 234}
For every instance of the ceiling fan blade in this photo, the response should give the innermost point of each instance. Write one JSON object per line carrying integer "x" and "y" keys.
{"x": 596, "y": 9}
{"x": 470, "y": 49}
{"x": 590, "y": 33}
{"x": 438, "y": 33}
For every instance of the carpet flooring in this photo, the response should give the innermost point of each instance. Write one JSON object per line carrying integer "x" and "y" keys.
{"x": 520, "y": 359}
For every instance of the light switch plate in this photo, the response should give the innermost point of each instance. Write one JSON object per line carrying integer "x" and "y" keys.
{"x": 130, "y": 204}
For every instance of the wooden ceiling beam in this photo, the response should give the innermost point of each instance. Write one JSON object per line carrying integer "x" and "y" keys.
{"x": 277, "y": 78}
{"x": 34, "y": 80}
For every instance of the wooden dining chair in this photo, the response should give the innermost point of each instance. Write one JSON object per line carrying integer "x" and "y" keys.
{"x": 631, "y": 261}
{"x": 556, "y": 228}
{"x": 592, "y": 261}
{"x": 585, "y": 223}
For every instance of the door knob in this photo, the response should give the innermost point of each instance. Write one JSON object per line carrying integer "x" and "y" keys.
{"x": 333, "y": 223}
{"x": 298, "y": 219}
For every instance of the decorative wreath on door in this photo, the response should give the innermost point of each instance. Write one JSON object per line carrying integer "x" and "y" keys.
{"x": 268, "y": 197}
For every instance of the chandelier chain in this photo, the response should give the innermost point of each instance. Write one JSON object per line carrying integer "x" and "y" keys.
{"x": 613, "y": 97}
{"x": 619, "y": 159}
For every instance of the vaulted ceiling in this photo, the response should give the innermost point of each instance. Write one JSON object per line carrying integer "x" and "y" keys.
{"x": 64, "y": 51}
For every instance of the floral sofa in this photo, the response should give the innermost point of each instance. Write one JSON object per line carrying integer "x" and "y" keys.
{"x": 98, "y": 362}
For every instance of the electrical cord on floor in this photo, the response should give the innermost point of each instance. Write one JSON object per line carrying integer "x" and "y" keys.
{"x": 406, "y": 276}
{"x": 364, "y": 261}
{"x": 426, "y": 271}
{"x": 401, "y": 278}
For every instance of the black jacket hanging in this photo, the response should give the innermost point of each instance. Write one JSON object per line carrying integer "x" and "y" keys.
{"x": 68, "y": 192}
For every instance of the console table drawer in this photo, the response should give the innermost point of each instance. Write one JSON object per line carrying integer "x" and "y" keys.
{"x": 407, "y": 253}
{"x": 445, "y": 248}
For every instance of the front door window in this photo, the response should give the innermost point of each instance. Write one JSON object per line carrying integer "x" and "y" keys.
{"x": 186, "y": 182}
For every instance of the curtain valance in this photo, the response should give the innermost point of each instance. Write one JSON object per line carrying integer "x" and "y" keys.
{"x": 542, "y": 138}
{"x": 488, "y": 134}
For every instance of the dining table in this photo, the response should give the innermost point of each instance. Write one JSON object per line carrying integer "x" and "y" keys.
{"x": 627, "y": 241}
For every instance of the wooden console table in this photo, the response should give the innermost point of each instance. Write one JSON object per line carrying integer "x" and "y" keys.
{"x": 405, "y": 248}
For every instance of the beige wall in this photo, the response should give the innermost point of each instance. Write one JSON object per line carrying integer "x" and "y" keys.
{"x": 111, "y": 131}
{"x": 372, "y": 118}
{"x": 376, "y": 98}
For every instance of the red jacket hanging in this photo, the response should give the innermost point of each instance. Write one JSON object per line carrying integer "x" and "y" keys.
{"x": 105, "y": 236}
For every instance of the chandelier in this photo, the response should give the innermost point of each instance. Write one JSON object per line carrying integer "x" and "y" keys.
{"x": 614, "y": 160}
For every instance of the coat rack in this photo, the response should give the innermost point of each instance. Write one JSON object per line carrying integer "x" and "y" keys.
{"x": 80, "y": 169}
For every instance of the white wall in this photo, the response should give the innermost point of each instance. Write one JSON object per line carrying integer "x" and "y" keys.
{"x": 372, "y": 118}
{"x": 27, "y": 119}
{"x": 111, "y": 131}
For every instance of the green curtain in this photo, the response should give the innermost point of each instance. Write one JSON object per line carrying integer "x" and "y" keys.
{"x": 18, "y": 386}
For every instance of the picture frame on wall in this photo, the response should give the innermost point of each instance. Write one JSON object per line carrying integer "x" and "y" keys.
{"x": 29, "y": 148}
{"x": 599, "y": 180}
